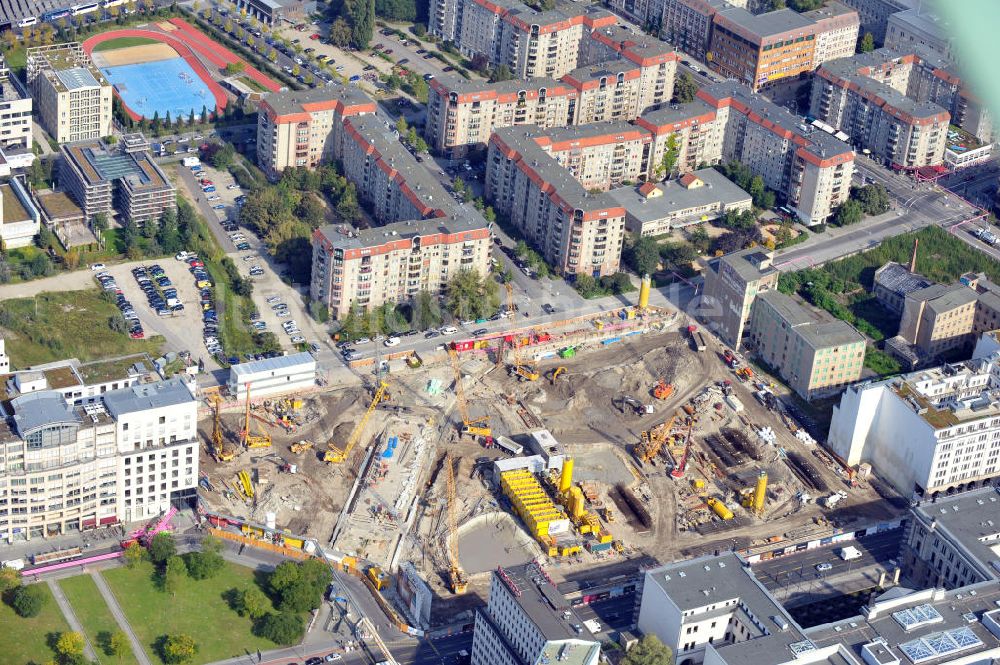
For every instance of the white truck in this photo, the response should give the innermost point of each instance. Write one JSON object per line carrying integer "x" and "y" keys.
{"x": 835, "y": 498}
{"x": 849, "y": 553}
{"x": 190, "y": 161}
{"x": 16, "y": 564}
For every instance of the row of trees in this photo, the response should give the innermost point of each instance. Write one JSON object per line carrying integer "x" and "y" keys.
{"x": 747, "y": 180}
{"x": 868, "y": 200}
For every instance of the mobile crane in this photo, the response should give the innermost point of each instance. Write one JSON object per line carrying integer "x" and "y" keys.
{"x": 219, "y": 451}
{"x": 250, "y": 440}
{"x": 336, "y": 455}
{"x": 521, "y": 370}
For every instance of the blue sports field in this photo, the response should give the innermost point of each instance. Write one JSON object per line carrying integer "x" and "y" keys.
{"x": 160, "y": 87}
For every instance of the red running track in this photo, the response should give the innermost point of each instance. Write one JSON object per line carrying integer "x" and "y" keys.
{"x": 217, "y": 53}
{"x": 220, "y": 96}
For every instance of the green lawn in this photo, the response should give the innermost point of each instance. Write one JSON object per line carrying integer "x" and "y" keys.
{"x": 93, "y": 613}
{"x": 67, "y": 324}
{"x": 199, "y": 609}
{"x": 123, "y": 42}
{"x": 24, "y": 641}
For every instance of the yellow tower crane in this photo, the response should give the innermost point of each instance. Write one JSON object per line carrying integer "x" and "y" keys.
{"x": 219, "y": 451}
{"x": 250, "y": 440}
{"x": 517, "y": 368}
{"x": 459, "y": 582}
{"x": 336, "y": 455}
{"x": 479, "y": 426}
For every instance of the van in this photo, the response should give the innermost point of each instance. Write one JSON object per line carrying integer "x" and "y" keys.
{"x": 849, "y": 553}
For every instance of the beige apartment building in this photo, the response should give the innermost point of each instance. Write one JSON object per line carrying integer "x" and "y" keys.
{"x": 599, "y": 156}
{"x": 393, "y": 263}
{"x": 942, "y": 318}
{"x": 387, "y": 176}
{"x": 72, "y": 96}
{"x": 688, "y": 24}
{"x": 577, "y": 230}
{"x": 813, "y": 352}
{"x": 305, "y": 127}
{"x": 837, "y": 28}
{"x": 732, "y": 284}
{"x": 618, "y": 76}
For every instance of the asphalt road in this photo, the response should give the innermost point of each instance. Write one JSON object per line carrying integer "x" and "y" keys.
{"x": 788, "y": 573}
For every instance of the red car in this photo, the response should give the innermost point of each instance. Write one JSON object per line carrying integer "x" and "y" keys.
{"x": 137, "y": 334}
{"x": 314, "y": 36}
{"x": 195, "y": 263}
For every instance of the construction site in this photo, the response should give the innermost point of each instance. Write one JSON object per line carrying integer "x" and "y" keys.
{"x": 607, "y": 437}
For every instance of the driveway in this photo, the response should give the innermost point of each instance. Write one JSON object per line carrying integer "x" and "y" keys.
{"x": 266, "y": 285}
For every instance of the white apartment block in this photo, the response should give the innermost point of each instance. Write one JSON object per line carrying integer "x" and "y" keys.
{"x": 951, "y": 419}
{"x": 127, "y": 456}
{"x": 72, "y": 96}
{"x": 394, "y": 263}
{"x": 294, "y": 373}
{"x": 15, "y": 111}
{"x": 305, "y": 127}
{"x": 539, "y": 187}
{"x": 837, "y": 27}
{"x": 527, "y": 622}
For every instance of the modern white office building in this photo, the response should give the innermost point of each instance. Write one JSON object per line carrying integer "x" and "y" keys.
{"x": 925, "y": 432}
{"x": 284, "y": 374}
{"x": 68, "y": 467}
{"x": 527, "y": 621}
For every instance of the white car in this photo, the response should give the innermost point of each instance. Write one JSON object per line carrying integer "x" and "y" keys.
{"x": 392, "y": 341}
{"x": 232, "y": 187}
{"x": 181, "y": 256}
{"x": 97, "y": 267}
{"x": 213, "y": 197}
{"x": 448, "y": 330}
{"x": 283, "y": 313}
{"x": 298, "y": 339}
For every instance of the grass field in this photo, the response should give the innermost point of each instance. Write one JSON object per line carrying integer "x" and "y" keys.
{"x": 123, "y": 42}
{"x": 69, "y": 324}
{"x": 24, "y": 641}
{"x": 198, "y": 609}
{"x": 93, "y": 613}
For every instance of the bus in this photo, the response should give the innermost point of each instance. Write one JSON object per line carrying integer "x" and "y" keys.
{"x": 85, "y": 8}
{"x": 56, "y": 14}
{"x": 508, "y": 446}
{"x": 56, "y": 557}
{"x": 27, "y": 21}
{"x": 108, "y": 4}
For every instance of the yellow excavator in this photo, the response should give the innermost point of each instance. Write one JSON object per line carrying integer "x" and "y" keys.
{"x": 219, "y": 451}
{"x": 249, "y": 439}
{"x": 479, "y": 426}
{"x": 555, "y": 373}
{"x": 459, "y": 582}
{"x": 336, "y": 455}
{"x": 301, "y": 446}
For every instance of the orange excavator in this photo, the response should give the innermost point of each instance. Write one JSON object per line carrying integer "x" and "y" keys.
{"x": 663, "y": 390}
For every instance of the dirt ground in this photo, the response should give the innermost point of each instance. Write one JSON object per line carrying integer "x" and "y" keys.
{"x": 131, "y": 55}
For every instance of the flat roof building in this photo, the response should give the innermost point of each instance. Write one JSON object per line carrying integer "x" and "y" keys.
{"x": 71, "y": 94}
{"x": 106, "y": 181}
{"x": 20, "y": 220}
{"x": 813, "y": 352}
{"x": 293, "y": 373}
{"x": 732, "y": 283}
{"x": 527, "y": 621}
{"x": 305, "y": 127}
{"x": 15, "y": 121}
{"x": 701, "y": 196}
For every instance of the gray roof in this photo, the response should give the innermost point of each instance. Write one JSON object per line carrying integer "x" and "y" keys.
{"x": 763, "y": 26}
{"x": 669, "y": 114}
{"x": 675, "y": 197}
{"x": 820, "y": 143}
{"x": 37, "y": 409}
{"x": 923, "y": 20}
{"x": 970, "y": 519}
{"x": 814, "y": 326}
{"x": 342, "y": 237}
{"x": 542, "y": 602}
{"x": 568, "y": 188}
{"x": 390, "y": 151}
{"x": 847, "y": 69}
{"x": 271, "y": 365}
{"x": 77, "y": 77}
{"x": 898, "y": 279}
{"x": 463, "y": 86}
{"x": 745, "y": 262}
{"x": 147, "y": 396}
{"x": 291, "y": 101}
{"x": 948, "y": 297}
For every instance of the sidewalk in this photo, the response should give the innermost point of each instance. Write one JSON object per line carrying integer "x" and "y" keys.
{"x": 116, "y": 611}
{"x": 71, "y": 619}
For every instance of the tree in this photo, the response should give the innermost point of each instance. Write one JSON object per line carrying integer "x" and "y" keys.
{"x": 133, "y": 555}
{"x": 9, "y": 579}
{"x": 173, "y": 572}
{"x": 867, "y": 44}
{"x": 340, "y": 32}
{"x": 586, "y": 285}
{"x": 224, "y": 157}
{"x": 301, "y": 596}
{"x": 361, "y": 16}
{"x": 699, "y": 239}
{"x": 649, "y": 651}
{"x": 70, "y": 645}
{"x": 642, "y": 255}
{"x": 253, "y": 603}
{"x": 203, "y": 565}
{"x": 284, "y": 628}
{"x": 685, "y": 89}
{"x": 849, "y": 213}
{"x": 28, "y": 601}
{"x": 178, "y": 649}
{"x": 670, "y": 156}
{"x": 470, "y": 296}
{"x": 284, "y": 575}
{"x": 398, "y": 10}
{"x": 162, "y": 547}
{"x": 874, "y": 198}
{"x": 501, "y": 73}
{"x": 72, "y": 259}
{"x": 311, "y": 210}
{"x": 347, "y": 207}
{"x": 117, "y": 645}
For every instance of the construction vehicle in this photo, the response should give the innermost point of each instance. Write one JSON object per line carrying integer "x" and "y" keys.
{"x": 300, "y": 447}
{"x": 144, "y": 535}
{"x": 250, "y": 440}
{"x": 650, "y": 441}
{"x": 523, "y": 371}
{"x": 663, "y": 390}
{"x": 459, "y": 582}
{"x": 479, "y": 426}
{"x": 627, "y": 402}
{"x": 245, "y": 483}
{"x": 732, "y": 362}
{"x": 336, "y": 455}
{"x": 219, "y": 451}
{"x": 554, "y": 374}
